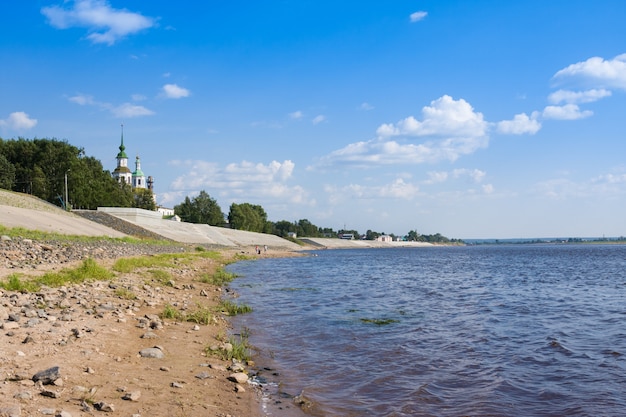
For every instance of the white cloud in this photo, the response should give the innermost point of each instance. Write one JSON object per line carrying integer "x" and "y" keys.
{"x": 437, "y": 177}
{"x": 127, "y": 110}
{"x": 566, "y": 112}
{"x": 82, "y": 100}
{"x": 444, "y": 117}
{"x": 417, "y": 16}
{"x": 573, "y": 97}
{"x": 366, "y": 106}
{"x": 520, "y": 125}
{"x": 245, "y": 180}
{"x": 104, "y": 23}
{"x": 452, "y": 127}
{"x": 174, "y": 91}
{"x": 476, "y": 175}
{"x": 598, "y": 71}
{"x": 296, "y": 115}
{"x": 397, "y": 189}
{"x": 382, "y": 152}
{"x": 18, "y": 121}
{"x": 609, "y": 185}
{"x": 318, "y": 119}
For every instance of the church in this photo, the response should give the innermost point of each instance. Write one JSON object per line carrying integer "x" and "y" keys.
{"x": 123, "y": 174}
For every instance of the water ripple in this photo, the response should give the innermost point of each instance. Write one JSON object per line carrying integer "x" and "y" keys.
{"x": 532, "y": 330}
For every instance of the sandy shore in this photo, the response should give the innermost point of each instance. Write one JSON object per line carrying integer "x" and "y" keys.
{"x": 94, "y": 335}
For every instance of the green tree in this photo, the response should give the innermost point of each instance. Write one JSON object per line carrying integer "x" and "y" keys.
{"x": 7, "y": 173}
{"x": 90, "y": 186}
{"x": 283, "y": 227}
{"x": 200, "y": 209}
{"x": 249, "y": 217}
{"x": 306, "y": 228}
{"x": 144, "y": 199}
{"x": 371, "y": 235}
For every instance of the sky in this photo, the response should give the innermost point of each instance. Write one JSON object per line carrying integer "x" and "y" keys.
{"x": 473, "y": 119}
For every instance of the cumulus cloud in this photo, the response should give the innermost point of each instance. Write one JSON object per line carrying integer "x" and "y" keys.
{"x": 565, "y": 112}
{"x": 296, "y": 115}
{"x": 600, "y": 72}
{"x": 174, "y": 91}
{"x": 397, "y": 189}
{"x": 444, "y": 117}
{"x": 318, "y": 119}
{"x": 82, "y": 100}
{"x": 451, "y": 128}
{"x": 573, "y": 97}
{"x": 417, "y": 16}
{"x": 18, "y": 121}
{"x": 520, "y": 125}
{"x": 125, "y": 110}
{"x": 244, "y": 180}
{"x": 437, "y": 177}
{"x": 129, "y": 110}
{"x": 104, "y": 23}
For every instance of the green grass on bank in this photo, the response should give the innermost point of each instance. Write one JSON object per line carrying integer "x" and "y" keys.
{"x": 19, "y": 232}
{"x": 89, "y": 270}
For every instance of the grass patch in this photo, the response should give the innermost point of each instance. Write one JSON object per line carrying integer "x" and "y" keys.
{"x": 127, "y": 265}
{"x": 172, "y": 313}
{"x": 163, "y": 260}
{"x": 125, "y": 293}
{"x": 219, "y": 278}
{"x": 14, "y": 283}
{"x": 241, "y": 349}
{"x": 19, "y": 232}
{"x": 161, "y": 276}
{"x": 89, "y": 270}
{"x": 200, "y": 315}
{"x": 232, "y": 309}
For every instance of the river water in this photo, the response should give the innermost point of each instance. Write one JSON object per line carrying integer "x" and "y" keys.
{"x": 509, "y": 330}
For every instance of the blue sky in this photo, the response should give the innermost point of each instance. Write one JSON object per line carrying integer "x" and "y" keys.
{"x": 474, "y": 119}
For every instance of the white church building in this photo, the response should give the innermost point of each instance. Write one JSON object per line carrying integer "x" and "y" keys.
{"x": 123, "y": 174}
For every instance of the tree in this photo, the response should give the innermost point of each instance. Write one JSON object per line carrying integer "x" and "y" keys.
{"x": 201, "y": 209}
{"x": 306, "y": 228}
{"x": 7, "y": 173}
{"x": 40, "y": 168}
{"x": 371, "y": 235}
{"x": 283, "y": 227}
{"x": 412, "y": 236}
{"x": 249, "y": 217}
{"x": 144, "y": 199}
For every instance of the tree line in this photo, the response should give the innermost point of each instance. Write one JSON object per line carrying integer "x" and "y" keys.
{"x": 253, "y": 218}
{"x": 40, "y": 167}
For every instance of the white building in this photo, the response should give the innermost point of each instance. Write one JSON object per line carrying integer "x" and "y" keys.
{"x": 122, "y": 173}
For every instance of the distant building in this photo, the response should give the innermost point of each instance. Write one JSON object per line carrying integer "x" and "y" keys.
{"x": 384, "y": 238}
{"x": 123, "y": 174}
{"x": 166, "y": 212}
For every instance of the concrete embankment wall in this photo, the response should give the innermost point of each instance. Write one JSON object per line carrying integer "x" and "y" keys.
{"x": 196, "y": 233}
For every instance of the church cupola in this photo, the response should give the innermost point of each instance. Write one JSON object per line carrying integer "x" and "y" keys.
{"x": 139, "y": 179}
{"x": 122, "y": 173}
